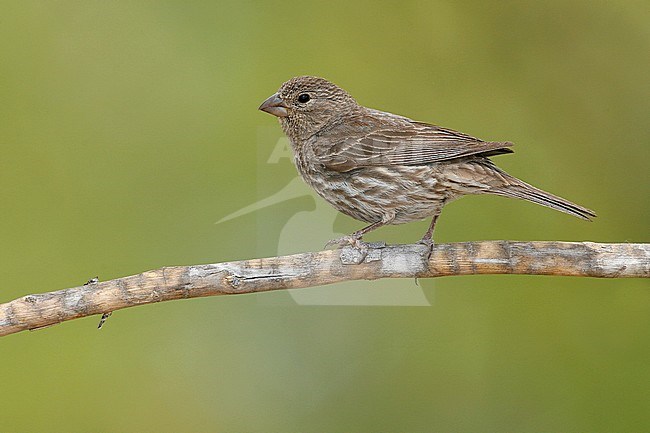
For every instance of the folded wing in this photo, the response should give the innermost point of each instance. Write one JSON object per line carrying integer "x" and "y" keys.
{"x": 401, "y": 141}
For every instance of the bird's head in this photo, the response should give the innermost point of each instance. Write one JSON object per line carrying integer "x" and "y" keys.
{"x": 307, "y": 104}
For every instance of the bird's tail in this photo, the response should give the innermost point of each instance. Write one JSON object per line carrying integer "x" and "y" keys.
{"x": 516, "y": 188}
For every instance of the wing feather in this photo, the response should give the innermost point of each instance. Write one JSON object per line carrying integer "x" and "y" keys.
{"x": 394, "y": 140}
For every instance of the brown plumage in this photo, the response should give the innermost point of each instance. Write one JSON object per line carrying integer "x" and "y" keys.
{"x": 382, "y": 168}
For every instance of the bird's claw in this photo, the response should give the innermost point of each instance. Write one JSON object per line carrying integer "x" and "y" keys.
{"x": 428, "y": 242}
{"x": 349, "y": 240}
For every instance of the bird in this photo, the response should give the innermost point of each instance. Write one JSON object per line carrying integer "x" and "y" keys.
{"x": 382, "y": 168}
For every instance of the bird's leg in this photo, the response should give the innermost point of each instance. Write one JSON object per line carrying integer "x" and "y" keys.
{"x": 427, "y": 239}
{"x": 354, "y": 239}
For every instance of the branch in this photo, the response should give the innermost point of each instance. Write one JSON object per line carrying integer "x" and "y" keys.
{"x": 584, "y": 259}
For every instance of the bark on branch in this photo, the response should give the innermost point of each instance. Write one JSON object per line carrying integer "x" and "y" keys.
{"x": 585, "y": 259}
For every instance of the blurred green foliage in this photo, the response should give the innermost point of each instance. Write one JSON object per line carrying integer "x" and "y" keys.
{"x": 129, "y": 128}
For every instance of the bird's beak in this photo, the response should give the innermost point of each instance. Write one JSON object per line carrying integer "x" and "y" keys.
{"x": 275, "y": 105}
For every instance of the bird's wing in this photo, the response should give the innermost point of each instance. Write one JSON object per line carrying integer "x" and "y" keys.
{"x": 401, "y": 141}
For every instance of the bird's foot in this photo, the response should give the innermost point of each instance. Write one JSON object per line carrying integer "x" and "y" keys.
{"x": 350, "y": 240}
{"x": 353, "y": 249}
{"x": 428, "y": 242}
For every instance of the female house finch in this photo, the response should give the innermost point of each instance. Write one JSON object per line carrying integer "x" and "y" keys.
{"x": 382, "y": 168}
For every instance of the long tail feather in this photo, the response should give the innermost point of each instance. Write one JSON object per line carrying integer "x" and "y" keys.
{"x": 522, "y": 190}
{"x": 516, "y": 188}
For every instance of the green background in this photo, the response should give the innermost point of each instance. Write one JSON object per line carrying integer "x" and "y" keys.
{"x": 128, "y": 128}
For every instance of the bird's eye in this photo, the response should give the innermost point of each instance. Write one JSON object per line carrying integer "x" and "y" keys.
{"x": 303, "y": 97}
